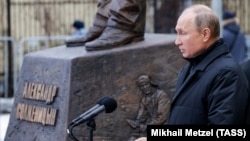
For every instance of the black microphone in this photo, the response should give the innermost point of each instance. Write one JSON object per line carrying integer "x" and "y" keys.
{"x": 106, "y": 104}
{"x": 98, "y": 103}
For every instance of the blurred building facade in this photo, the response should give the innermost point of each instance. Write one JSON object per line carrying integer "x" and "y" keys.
{"x": 26, "y": 18}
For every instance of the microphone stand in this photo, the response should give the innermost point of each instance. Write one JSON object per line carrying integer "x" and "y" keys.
{"x": 91, "y": 126}
{"x": 70, "y": 133}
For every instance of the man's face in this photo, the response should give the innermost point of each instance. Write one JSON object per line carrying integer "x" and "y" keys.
{"x": 145, "y": 87}
{"x": 189, "y": 40}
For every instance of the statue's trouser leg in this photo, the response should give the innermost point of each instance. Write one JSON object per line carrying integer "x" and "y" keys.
{"x": 100, "y": 23}
{"x": 126, "y": 24}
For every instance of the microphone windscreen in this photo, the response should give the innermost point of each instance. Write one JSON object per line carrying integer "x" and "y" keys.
{"x": 110, "y": 105}
{"x": 100, "y": 100}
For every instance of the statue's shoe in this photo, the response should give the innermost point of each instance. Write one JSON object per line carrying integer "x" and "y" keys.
{"x": 113, "y": 37}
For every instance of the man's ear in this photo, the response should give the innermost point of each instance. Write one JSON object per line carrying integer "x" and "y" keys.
{"x": 206, "y": 33}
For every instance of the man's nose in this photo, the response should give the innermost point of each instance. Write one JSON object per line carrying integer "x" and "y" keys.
{"x": 177, "y": 41}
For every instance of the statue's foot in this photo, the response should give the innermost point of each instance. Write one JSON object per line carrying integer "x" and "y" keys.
{"x": 113, "y": 37}
{"x": 93, "y": 33}
{"x": 75, "y": 41}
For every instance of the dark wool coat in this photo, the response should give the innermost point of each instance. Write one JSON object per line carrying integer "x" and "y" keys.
{"x": 245, "y": 66}
{"x": 211, "y": 89}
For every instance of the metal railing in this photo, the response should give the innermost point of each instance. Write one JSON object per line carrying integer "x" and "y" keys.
{"x": 30, "y": 44}
{"x": 20, "y": 48}
{"x": 5, "y": 62}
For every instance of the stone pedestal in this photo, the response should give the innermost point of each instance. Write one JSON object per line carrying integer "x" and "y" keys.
{"x": 56, "y": 85}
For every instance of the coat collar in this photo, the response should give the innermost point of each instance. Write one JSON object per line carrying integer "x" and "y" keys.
{"x": 217, "y": 49}
{"x": 200, "y": 63}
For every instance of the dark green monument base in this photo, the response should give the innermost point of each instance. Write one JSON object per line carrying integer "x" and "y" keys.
{"x": 80, "y": 79}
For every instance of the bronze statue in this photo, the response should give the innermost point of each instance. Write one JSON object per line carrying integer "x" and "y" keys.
{"x": 153, "y": 108}
{"x": 117, "y": 22}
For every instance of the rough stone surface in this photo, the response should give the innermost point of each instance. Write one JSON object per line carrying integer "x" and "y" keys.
{"x": 83, "y": 77}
